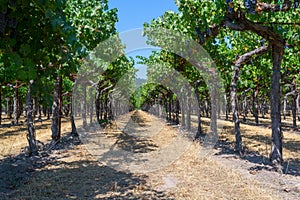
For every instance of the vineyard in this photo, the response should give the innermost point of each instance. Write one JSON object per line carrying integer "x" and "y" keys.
{"x": 217, "y": 116}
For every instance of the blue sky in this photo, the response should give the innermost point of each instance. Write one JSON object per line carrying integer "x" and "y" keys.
{"x": 133, "y": 14}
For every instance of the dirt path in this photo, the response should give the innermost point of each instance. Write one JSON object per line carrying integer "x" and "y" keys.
{"x": 138, "y": 142}
{"x": 142, "y": 157}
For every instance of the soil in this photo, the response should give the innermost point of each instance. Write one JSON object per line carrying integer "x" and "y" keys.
{"x": 141, "y": 156}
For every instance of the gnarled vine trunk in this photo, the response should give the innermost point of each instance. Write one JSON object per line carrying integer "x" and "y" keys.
{"x": 97, "y": 105}
{"x": 298, "y": 105}
{"x": 73, "y": 126}
{"x": 284, "y": 106}
{"x": 188, "y": 111}
{"x": 39, "y": 108}
{"x": 16, "y": 103}
{"x": 227, "y": 104}
{"x": 293, "y": 95}
{"x": 276, "y": 149}
{"x": 235, "y": 116}
{"x": 199, "y": 133}
{"x": 55, "y": 112}
{"x": 8, "y": 108}
{"x": 91, "y": 104}
{"x": 294, "y": 102}
{"x": 255, "y": 105}
{"x": 33, "y": 149}
{"x": 83, "y": 106}
{"x": 177, "y": 111}
{"x": 170, "y": 106}
{"x": 0, "y": 104}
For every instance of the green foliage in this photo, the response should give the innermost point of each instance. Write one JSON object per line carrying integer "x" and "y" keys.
{"x": 196, "y": 19}
{"x": 92, "y": 20}
{"x": 46, "y": 38}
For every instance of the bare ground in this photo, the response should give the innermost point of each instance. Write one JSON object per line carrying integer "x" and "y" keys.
{"x": 72, "y": 171}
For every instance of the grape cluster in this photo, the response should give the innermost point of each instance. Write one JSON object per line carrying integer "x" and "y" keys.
{"x": 198, "y": 30}
{"x": 229, "y": 8}
{"x": 296, "y": 4}
{"x": 262, "y": 42}
{"x": 201, "y": 35}
{"x": 250, "y": 6}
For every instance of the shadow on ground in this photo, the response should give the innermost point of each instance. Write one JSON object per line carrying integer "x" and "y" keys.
{"x": 261, "y": 162}
{"x": 45, "y": 177}
{"x": 87, "y": 180}
{"x": 135, "y": 144}
{"x": 15, "y": 170}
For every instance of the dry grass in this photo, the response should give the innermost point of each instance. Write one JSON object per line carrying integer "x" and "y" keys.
{"x": 75, "y": 174}
{"x": 79, "y": 176}
{"x": 203, "y": 178}
{"x": 258, "y": 138}
{"x": 13, "y": 139}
